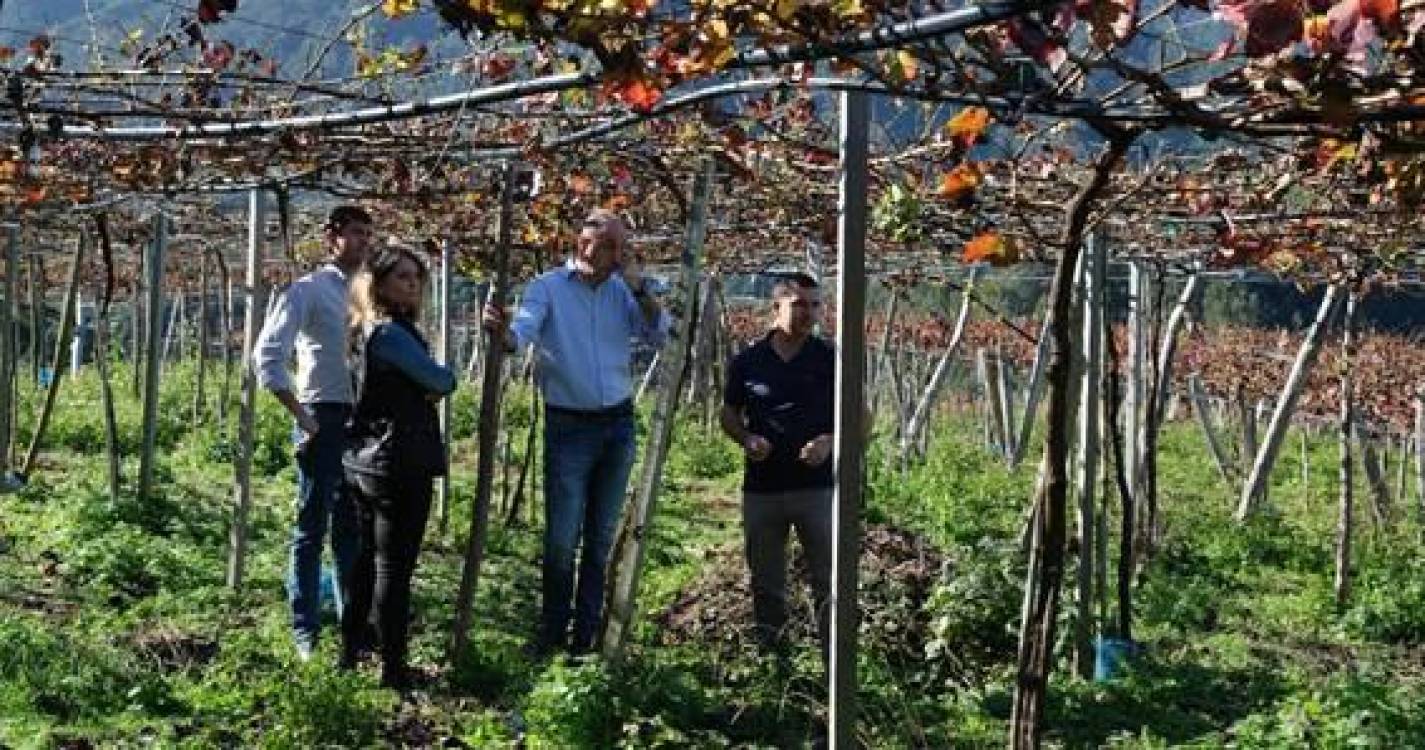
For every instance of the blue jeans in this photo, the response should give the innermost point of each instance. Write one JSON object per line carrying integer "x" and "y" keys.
{"x": 587, "y": 461}
{"x": 321, "y": 502}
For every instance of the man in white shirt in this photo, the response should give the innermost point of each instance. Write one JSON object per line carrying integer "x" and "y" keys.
{"x": 310, "y": 320}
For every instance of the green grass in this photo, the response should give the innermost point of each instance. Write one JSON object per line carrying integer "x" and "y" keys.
{"x": 116, "y": 629}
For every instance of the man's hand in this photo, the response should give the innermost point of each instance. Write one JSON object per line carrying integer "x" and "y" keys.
{"x": 494, "y": 319}
{"x": 757, "y": 448}
{"x": 816, "y": 451}
{"x": 496, "y": 322}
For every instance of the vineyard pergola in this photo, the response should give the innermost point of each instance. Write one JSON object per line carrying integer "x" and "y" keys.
{"x": 909, "y": 140}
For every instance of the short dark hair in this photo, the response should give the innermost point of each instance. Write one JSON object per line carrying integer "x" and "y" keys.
{"x": 346, "y": 214}
{"x": 785, "y": 282}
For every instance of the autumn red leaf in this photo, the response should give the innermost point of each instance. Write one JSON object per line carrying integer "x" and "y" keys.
{"x": 968, "y": 125}
{"x": 636, "y": 93}
{"x": 959, "y": 182}
{"x": 992, "y": 247}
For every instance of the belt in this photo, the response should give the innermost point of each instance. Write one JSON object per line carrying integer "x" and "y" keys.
{"x": 623, "y": 408}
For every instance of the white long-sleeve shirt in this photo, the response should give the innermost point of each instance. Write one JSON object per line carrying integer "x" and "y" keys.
{"x": 310, "y": 319}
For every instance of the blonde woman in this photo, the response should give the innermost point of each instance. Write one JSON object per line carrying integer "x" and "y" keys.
{"x": 394, "y": 451}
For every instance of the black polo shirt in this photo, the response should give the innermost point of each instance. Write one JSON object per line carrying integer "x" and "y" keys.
{"x": 789, "y": 403}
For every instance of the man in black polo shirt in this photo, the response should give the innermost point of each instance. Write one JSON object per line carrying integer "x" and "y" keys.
{"x": 779, "y": 407}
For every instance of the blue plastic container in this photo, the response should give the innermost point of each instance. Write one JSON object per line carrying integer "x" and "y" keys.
{"x": 1110, "y": 655}
{"x": 46, "y": 376}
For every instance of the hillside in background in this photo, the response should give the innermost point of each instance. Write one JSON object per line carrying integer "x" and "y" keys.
{"x": 292, "y": 31}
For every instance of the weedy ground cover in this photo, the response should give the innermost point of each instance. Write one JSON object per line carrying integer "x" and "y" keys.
{"x": 117, "y": 629}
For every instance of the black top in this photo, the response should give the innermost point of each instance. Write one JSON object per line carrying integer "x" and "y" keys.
{"x": 789, "y": 403}
{"x": 394, "y": 429}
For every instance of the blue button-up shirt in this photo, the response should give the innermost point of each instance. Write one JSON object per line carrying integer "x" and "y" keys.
{"x": 581, "y": 334}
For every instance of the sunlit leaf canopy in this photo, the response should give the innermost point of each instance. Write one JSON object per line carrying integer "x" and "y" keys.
{"x": 1283, "y": 135}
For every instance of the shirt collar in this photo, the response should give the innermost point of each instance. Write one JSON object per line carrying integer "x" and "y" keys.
{"x": 335, "y": 269}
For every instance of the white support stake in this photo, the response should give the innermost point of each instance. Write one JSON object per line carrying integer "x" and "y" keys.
{"x": 1087, "y": 464}
{"x": 154, "y": 283}
{"x": 850, "y": 406}
{"x": 242, "y": 484}
{"x": 442, "y": 487}
{"x": 1256, "y": 483}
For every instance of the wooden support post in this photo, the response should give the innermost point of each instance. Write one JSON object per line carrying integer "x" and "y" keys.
{"x": 137, "y": 334}
{"x": 881, "y": 367}
{"x": 850, "y": 406}
{"x": 988, "y": 402}
{"x": 9, "y": 348}
{"x": 1344, "y": 521}
{"x": 170, "y": 331}
{"x": 154, "y": 286}
{"x": 225, "y": 285}
{"x": 1375, "y": 478}
{"x": 489, "y": 425}
{"x": 1087, "y": 464}
{"x": 106, "y": 397}
{"x": 1420, "y": 449}
{"x": 1402, "y": 473}
{"x": 1204, "y": 420}
{"x": 1248, "y": 415}
{"x": 1256, "y": 484}
{"x": 1004, "y": 397}
{"x": 1035, "y": 391}
{"x": 442, "y": 487}
{"x": 926, "y": 404}
{"x": 200, "y": 396}
{"x": 76, "y": 338}
{"x": 37, "y": 315}
{"x": 628, "y": 568}
{"x": 247, "y": 409}
{"x": 1137, "y": 370}
{"x": 1156, "y": 401}
{"x": 66, "y": 327}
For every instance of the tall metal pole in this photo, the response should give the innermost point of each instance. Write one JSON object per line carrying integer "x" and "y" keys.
{"x": 154, "y": 281}
{"x": 850, "y": 410}
{"x": 242, "y": 483}
{"x": 443, "y": 486}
